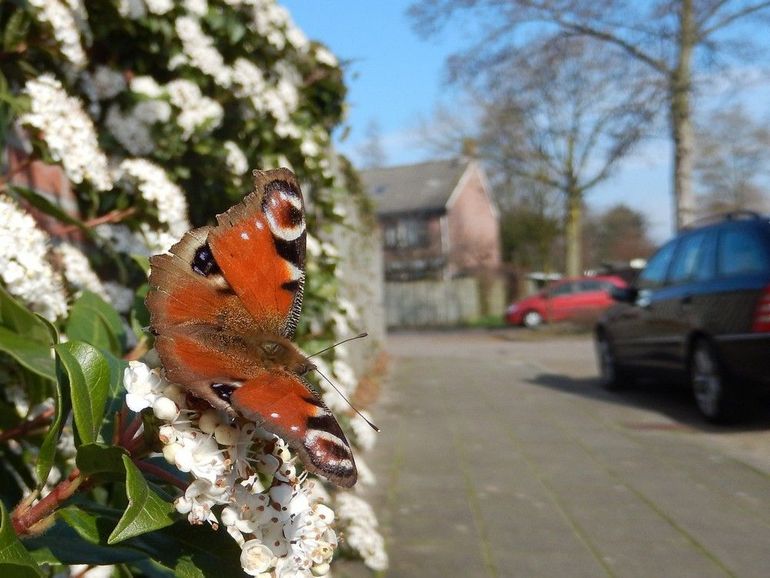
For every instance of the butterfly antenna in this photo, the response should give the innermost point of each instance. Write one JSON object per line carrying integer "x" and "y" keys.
{"x": 359, "y": 336}
{"x": 329, "y": 381}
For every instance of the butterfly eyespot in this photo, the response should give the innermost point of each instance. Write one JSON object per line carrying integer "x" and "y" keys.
{"x": 223, "y": 390}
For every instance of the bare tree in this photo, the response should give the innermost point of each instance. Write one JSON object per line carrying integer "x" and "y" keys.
{"x": 669, "y": 37}
{"x": 618, "y": 234}
{"x": 372, "y": 151}
{"x": 562, "y": 122}
{"x": 732, "y": 169}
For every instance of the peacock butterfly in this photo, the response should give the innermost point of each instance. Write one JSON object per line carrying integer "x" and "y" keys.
{"x": 224, "y": 305}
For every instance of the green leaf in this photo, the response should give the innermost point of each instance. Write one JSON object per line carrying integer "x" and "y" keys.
{"x": 14, "y": 559}
{"x": 94, "y": 321}
{"x": 146, "y": 511}
{"x": 61, "y": 400}
{"x": 15, "y": 30}
{"x": 19, "y": 319}
{"x": 79, "y": 537}
{"x": 97, "y": 459}
{"x": 31, "y": 354}
{"x": 85, "y": 541}
{"x": 89, "y": 378}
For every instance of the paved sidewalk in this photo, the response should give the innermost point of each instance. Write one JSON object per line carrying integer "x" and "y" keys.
{"x": 504, "y": 458}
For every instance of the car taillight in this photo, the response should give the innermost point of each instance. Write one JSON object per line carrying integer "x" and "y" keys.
{"x": 762, "y": 313}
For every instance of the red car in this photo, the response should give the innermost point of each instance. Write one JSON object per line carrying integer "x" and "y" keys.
{"x": 568, "y": 299}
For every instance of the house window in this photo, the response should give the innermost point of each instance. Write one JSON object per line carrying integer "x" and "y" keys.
{"x": 406, "y": 233}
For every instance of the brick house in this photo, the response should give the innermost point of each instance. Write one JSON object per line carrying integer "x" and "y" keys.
{"x": 438, "y": 219}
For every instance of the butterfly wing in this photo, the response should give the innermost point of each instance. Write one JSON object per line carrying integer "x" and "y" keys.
{"x": 282, "y": 403}
{"x": 259, "y": 245}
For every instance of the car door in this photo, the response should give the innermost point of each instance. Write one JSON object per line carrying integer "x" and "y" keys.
{"x": 589, "y": 297}
{"x": 637, "y": 327}
{"x": 679, "y": 301}
{"x": 560, "y": 301}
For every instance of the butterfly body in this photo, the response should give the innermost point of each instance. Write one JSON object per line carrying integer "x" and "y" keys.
{"x": 224, "y": 305}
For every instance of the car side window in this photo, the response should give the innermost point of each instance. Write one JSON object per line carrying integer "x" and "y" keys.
{"x": 590, "y": 285}
{"x": 706, "y": 267}
{"x": 741, "y": 251}
{"x": 686, "y": 260}
{"x": 560, "y": 290}
{"x": 654, "y": 274}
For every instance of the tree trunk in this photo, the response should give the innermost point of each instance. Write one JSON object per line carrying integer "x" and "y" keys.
{"x": 680, "y": 86}
{"x": 572, "y": 230}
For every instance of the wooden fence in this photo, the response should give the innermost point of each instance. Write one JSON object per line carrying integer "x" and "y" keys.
{"x": 442, "y": 303}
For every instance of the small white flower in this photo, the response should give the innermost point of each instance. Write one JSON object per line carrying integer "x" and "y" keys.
{"x": 256, "y": 557}
{"x": 78, "y": 271}
{"x": 144, "y": 385}
{"x": 159, "y": 7}
{"x": 146, "y": 85}
{"x": 235, "y": 159}
{"x": 324, "y": 56}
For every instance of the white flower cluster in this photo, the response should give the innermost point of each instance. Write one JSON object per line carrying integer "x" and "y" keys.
{"x": 248, "y": 473}
{"x": 200, "y": 51}
{"x": 359, "y": 523}
{"x": 62, "y": 20}
{"x": 156, "y": 188}
{"x": 24, "y": 267}
{"x": 132, "y": 128}
{"x": 77, "y": 270}
{"x": 67, "y": 130}
{"x": 196, "y": 110}
{"x": 121, "y": 297}
{"x": 108, "y": 82}
{"x": 236, "y": 161}
{"x": 274, "y": 23}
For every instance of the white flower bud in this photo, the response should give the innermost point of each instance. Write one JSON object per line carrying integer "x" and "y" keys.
{"x": 226, "y": 435}
{"x": 208, "y": 421}
{"x": 320, "y": 569}
{"x": 170, "y": 451}
{"x": 164, "y": 409}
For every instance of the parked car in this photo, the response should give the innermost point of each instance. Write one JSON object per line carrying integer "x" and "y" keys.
{"x": 568, "y": 299}
{"x": 699, "y": 313}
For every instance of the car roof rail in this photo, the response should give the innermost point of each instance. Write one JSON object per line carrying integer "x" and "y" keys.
{"x": 739, "y": 214}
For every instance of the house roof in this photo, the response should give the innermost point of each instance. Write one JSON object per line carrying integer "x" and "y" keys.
{"x": 408, "y": 188}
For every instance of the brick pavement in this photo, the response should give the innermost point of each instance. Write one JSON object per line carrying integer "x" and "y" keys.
{"x": 503, "y": 458}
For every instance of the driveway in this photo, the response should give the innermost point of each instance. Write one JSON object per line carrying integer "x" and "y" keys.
{"x": 501, "y": 456}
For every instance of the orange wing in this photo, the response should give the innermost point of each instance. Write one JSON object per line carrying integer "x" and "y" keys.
{"x": 259, "y": 245}
{"x": 282, "y": 403}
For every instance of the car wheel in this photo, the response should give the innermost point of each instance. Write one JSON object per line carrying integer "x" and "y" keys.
{"x": 710, "y": 385}
{"x": 610, "y": 374}
{"x": 532, "y": 319}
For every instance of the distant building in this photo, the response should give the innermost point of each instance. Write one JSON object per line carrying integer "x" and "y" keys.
{"x": 438, "y": 219}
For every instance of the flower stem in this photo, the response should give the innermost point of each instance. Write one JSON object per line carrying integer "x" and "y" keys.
{"x": 15, "y": 432}
{"x": 28, "y": 520}
{"x": 159, "y": 472}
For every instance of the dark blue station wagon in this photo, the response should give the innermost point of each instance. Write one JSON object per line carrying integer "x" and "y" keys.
{"x": 700, "y": 313}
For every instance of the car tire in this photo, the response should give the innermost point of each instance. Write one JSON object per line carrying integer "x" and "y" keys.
{"x": 710, "y": 384}
{"x": 611, "y": 375}
{"x": 532, "y": 319}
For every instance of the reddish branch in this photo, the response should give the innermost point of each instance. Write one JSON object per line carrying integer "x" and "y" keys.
{"x": 112, "y": 217}
{"x": 160, "y": 473}
{"x": 28, "y": 520}
{"x": 22, "y": 429}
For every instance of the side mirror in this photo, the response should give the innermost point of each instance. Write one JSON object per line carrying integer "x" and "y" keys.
{"x": 624, "y": 294}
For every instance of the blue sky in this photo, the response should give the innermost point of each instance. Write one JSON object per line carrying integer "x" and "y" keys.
{"x": 395, "y": 78}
